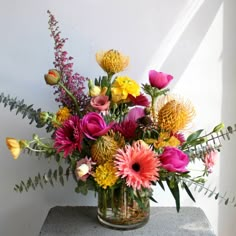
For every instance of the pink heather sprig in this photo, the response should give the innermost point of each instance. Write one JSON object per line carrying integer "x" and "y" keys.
{"x": 74, "y": 82}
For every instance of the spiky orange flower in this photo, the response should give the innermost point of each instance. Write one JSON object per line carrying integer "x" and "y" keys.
{"x": 105, "y": 147}
{"x": 175, "y": 115}
{"x": 112, "y": 61}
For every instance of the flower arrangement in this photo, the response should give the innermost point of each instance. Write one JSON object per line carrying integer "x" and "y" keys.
{"x": 115, "y": 132}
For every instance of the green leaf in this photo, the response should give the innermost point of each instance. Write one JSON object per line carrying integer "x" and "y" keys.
{"x": 226, "y": 201}
{"x": 174, "y": 188}
{"x": 188, "y": 191}
{"x": 194, "y": 135}
{"x": 161, "y": 184}
{"x": 49, "y": 173}
{"x": 60, "y": 170}
{"x": 67, "y": 173}
{"x": 212, "y": 192}
{"x": 154, "y": 200}
{"x": 55, "y": 174}
{"x": 61, "y": 179}
{"x": 81, "y": 188}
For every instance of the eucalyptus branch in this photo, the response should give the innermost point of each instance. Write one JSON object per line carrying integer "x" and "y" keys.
{"x": 40, "y": 180}
{"x": 199, "y": 186}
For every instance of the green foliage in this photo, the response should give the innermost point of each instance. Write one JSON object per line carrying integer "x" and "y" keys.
{"x": 174, "y": 189}
{"x": 83, "y": 187}
{"x": 58, "y": 175}
{"x": 153, "y": 91}
{"x": 27, "y": 111}
{"x": 198, "y": 146}
{"x": 200, "y": 187}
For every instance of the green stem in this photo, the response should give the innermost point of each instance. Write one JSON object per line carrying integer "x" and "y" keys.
{"x": 71, "y": 96}
{"x": 35, "y": 150}
{"x": 109, "y": 77}
{"x": 154, "y": 99}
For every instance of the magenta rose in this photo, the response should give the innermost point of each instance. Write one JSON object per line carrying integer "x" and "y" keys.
{"x": 93, "y": 125}
{"x": 174, "y": 160}
{"x": 100, "y": 102}
{"x": 159, "y": 79}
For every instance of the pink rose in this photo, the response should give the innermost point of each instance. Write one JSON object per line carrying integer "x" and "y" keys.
{"x": 93, "y": 125}
{"x": 100, "y": 102}
{"x": 158, "y": 79}
{"x": 210, "y": 160}
{"x": 174, "y": 160}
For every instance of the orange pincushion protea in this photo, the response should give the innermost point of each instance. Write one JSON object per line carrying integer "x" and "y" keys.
{"x": 106, "y": 146}
{"x": 175, "y": 115}
{"x": 112, "y": 61}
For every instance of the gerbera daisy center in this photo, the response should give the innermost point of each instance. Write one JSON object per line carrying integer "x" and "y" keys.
{"x": 136, "y": 167}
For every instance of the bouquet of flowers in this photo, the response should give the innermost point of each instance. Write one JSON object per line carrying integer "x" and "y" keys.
{"x": 115, "y": 132}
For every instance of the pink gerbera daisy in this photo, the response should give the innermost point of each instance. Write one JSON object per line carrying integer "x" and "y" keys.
{"x": 138, "y": 164}
{"x": 69, "y": 137}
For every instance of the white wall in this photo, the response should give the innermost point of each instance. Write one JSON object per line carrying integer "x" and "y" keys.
{"x": 194, "y": 40}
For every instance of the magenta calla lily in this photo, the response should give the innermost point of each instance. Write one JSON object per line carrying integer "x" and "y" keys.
{"x": 159, "y": 79}
{"x": 93, "y": 125}
{"x": 135, "y": 113}
{"x": 174, "y": 160}
{"x": 128, "y": 127}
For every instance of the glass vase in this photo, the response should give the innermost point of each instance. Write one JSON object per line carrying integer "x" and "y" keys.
{"x": 122, "y": 208}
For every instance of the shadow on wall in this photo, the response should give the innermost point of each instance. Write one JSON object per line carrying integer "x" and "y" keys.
{"x": 190, "y": 39}
{"x": 227, "y": 214}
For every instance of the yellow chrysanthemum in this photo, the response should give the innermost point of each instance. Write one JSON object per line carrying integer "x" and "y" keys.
{"x": 175, "y": 115}
{"x": 122, "y": 87}
{"x": 164, "y": 140}
{"x": 169, "y": 142}
{"x": 112, "y": 61}
{"x": 106, "y": 146}
{"x": 105, "y": 175}
{"x": 62, "y": 115}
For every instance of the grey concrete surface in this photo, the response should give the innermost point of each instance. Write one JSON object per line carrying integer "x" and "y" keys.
{"x": 164, "y": 221}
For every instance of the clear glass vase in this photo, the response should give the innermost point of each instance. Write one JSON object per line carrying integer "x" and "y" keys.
{"x": 118, "y": 209}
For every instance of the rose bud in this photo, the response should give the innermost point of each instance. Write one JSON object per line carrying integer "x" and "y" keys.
{"x": 52, "y": 77}
{"x": 94, "y": 90}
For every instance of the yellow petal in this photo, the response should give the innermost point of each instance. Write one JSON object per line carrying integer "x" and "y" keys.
{"x": 14, "y": 147}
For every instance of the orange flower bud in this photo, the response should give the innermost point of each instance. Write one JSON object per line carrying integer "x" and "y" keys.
{"x": 52, "y": 77}
{"x": 14, "y": 147}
